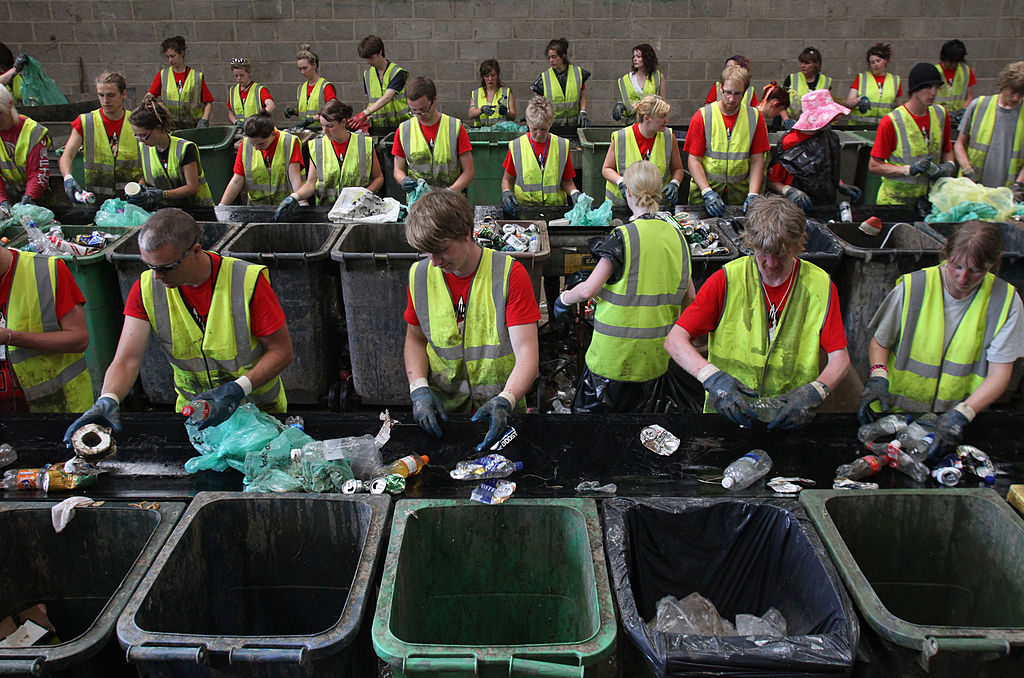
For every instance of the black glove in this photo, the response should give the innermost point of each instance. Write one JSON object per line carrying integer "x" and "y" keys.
{"x": 583, "y": 120}
{"x": 955, "y": 118}
{"x": 560, "y": 311}
{"x": 749, "y": 202}
{"x": 239, "y": 123}
{"x": 305, "y": 123}
{"x": 1017, "y": 188}
{"x": 290, "y": 112}
{"x": 948, "y": 434}
{"x": 788, "y": 124}
{"x": 802, "y": 200}
{"x": 148, "y": 198}
{"x": 27, "y": 200}
{"x": 714, "y": 204}
{"x": 70, "y": 188}
{"x": 509, "y": 204}
{"x": 920, "y": 166}
{"x": 105, "y": 412}
{"x": 427, "y": 409}
{"x": 618, "y": 110}
{"x": 853, "y": 191}
{"x": 224, "y": 400}
{"x": 725, "y": 392}
{"x": 409, "y": 184}
{"x": 622, "y": 188}
{"x": 497, "y": 409}
{"x": 671, "y": 192}
{"x": 799, "y": 407}
{"x": 286, "y": 209}
{"x": 20, "y": 63}
{"x": 972, "y": 175}
{"x": 876, "y": 388}
{"x": 502, "y": 110}
{"x": 202, "y": 122}
{"x": 487, "y": 109}
{"x": 863, "y": 104}
{"x": 946, "y": 169}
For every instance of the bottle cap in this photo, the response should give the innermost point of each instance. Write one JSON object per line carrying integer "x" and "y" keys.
{"x": 728, "y": 481}
{"x": 187, "y": 411}
{"x": 426, "y": 459}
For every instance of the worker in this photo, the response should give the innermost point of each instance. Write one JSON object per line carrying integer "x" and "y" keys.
{"x": 240, "y": 106}
{"x": 384, "y": 84}
{"x": 726, "y": 143}
{"x": 182, "y": 88}
{"x": 10, "y": 71}
{"x": 946, "y": 337}
{"x": 24, "y": 165}
{"x": 874, "y": 93}
{"x": 641, "y": 282}
{"x": 766, "y": 315}
{"x": 805, "y": 163}
{"x": 216, "y": 318}
{"x": 809, "y": 79}
{"x": 172, "y": 173}
{"x": 990, "y": 148}
{"x": 774, "y": 102}
{"x": 492, "y": 101}
{"x": 912, "y": 146}
{"x": 43, "y": 330}
{"x": 331, "y": 166}
{"x": 471, "y": 340}
{"x": 110, "y": 152}
{"x": 431, "y": 145}
{"x": 644, "y": 79}
{"x": 958, "y": 80}
{"x": 268, "y": 165}
{"x": 313, "y": 93}
{"x": 749, "y": 95}
{"x": 564, "y": 85}
{"x": 648, "y": 139}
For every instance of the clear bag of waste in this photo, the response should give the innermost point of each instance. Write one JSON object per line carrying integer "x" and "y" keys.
{"x": 37, "y": 213}
{"x": 361, "y": 452}
{"x": 37, "y": 88}
{"x": 949, "y": 194}
{"x": 227, "y": 444}
{"x": 771, "y": 623}
{"x": 694, "y": 614}
{"x": 117, "y": 212}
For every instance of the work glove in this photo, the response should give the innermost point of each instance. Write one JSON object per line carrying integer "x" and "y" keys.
{"x": 1017, "y": 188}
{"x": 920, "y": 166}
{"x": 502, "y": 110}
{"x": 561, "y": 311}
{"x": 5, "y": 207}
{"x": 224, "y": 400}
{"x": 357, "y": 121}
{"x": 618, "y": 110}
{"x": 239, "y": 123}
{"x": 955, "y": 118}
{"x": 726, "y": 394}
{"x": 852, "y": 191}
{"x": 749, "y": 202}
{"x": 27, "y": 200}
{"x": 802, "y": 200}
{"x": 148, "y": 198}
{"x": 290, "y": 112}
{"x": 798, "y": 407}
{"x": 409, "y": 184}
{"x": 105, "y": 412}
{"x": 574, "y": 197}
{"x": 876, "y": 388}
{"x": 671, "y": 192}
{"x": 497, "y": 409}
{"x": 972, "y": 175}
{"x": 946, "y": 169}
{"x": 948, "y": 434}
{"x": 863, "y": 104}
{"x": 286, "y": 209}
{"x": 202, "y": 122}
{"x": 487, "y": 109}
{"x": 305, "y": 123}
{"x": 788, "y": 124}
{"x": 583, "y": 120}
{"x": 70, "y": 188}
{"x": 20, "y": 63}
{"x": 622, "y": 188}
{"x": 713, "y": 203}
{"x": 509, "y": 204}
{"x": 427, "y": 409}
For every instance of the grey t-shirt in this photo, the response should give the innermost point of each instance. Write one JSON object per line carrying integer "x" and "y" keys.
{"x": 997, "y": 162}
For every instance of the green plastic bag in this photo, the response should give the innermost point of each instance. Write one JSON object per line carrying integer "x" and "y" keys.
{"x": 503, "y": 126}
{"x": 965, "y": 211}
{"x": 117, "y": 212}
{"x": 582, "y": 215}
{"x": 37, "y": 88}
{"x": 37, "y": 213}
{"x": 950, "y": 194}
{"x": 422, "y": 187}
{"x": 226, "y": 445}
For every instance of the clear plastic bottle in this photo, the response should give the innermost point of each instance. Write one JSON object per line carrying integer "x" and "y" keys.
{"x": 891, "y": 426}
{"x": 197, "y": 410}
{"x": 487, "y": 466}
{"x": 845, "y": 212}
{"x": 904, "y": 463}
{"x": 746, "y": 470}
{"x": 295, "y": 421}
{"x": 865, "y": 466}
{"x": 25, "y": 479}
{"x": 36, "y": 238}
{"x": 7, "y": 455}
{"x": 406, "y": 466}
{"x": 360, "y": 451}
{"x": 766, "y": 409}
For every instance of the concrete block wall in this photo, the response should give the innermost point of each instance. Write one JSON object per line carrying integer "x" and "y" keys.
{"x": 447, "y": 39}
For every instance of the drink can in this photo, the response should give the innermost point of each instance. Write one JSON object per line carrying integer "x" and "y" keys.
{"x": 845, "y": 212}
{"x": 354, "y": 486}
{"x": 85, "y": 196}
{"x": 947, "y": 475}
{"x": 392, "y": 484}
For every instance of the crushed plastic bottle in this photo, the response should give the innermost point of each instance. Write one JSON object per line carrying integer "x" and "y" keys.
{"x": 7, "y": 455}
{"x": 362, "y": 454}
{"x": 487, "y": 466}
{"x": 892, "y": 426}
{"x": 766, "y": 409}
{"x": 865, "y": 466}
{"x": 904, "y": 463}
{"x": 746, "y": 470}
{"x": 38, "y": 242}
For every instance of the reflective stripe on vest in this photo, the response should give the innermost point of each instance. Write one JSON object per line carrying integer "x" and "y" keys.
{"x": 186, "y": 104}
{"x": 630, "y": 97}
{"x": 268, "y": 186}
{"x": 251, "y": 105}
{"x": 626, "y": 151}
{"x": 105, "y": 174}
{"x": 912, "y": 146}
{"x": 439, "y": 166}
{"x": 921, "y": 375}
{"x": 566, "y": 103}
{"x": 332, "y": 176}
{"x": 536, "y": 186}
{"x": 395, "y": 111}
{"x": 798, "y": 87}
{"x": 981, "y": 126}
{"x": 13, "y": 169}
{"x": 309, "y": 104}
{"x": 881, "y": 102}
{"x": 155, "y": 175}
{"x": 726, "y": 158}
{"x": 479, "y": 100}
{"x": 952, "y": 97}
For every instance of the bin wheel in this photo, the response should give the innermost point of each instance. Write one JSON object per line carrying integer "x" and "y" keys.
{"x": 340, "y": 396}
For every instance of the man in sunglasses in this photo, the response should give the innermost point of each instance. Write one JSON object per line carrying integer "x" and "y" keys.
{"x": 216, "y": 318}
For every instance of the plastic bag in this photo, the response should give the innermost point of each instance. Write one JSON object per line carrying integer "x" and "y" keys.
{"x": 37, "y": 88}
{"x": 503, "y": 126}
{"x": 298, "y": 470}
{"x": 948, "y": 194}
{"x": 36, "y": 213}
{"x": 227, "y": 444}
{"x": 582, "y": 215}
{"x": 421, "y": 188}
{"x": 357, "y": 205}
{"x": 117, "y": 212}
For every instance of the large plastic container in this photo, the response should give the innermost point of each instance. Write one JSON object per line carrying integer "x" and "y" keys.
{"x": 853, "y": 151}
{"x": 387, "y": 165}
{"x": 821, "y": 247}
{"x": 489, "y": 150}
{"x": 937, "y": 574}
{"x": 516, "y": 589}
{"x": 744, "y": 556}
{"x": 306, "y": 284}
{"x": 216, "y": 153}
{"x": 84, "y": 575}
{"x": 260, "y": 585}
{"x": 155, "y": 371}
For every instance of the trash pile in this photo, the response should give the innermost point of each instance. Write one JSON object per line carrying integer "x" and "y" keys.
{"x": 696, "y": 615}
{"x": 33, "y": 218}
{"x": 356, "y": 204}
{"x": 492, "y": 469}
{"x": 699, "y": 234}
{"x": 91, "y": 444}
{"x": 507, "y": 237}
{"x": 954, "y": 200}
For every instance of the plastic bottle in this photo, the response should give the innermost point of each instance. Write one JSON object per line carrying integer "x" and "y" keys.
{"x": 903, "y": 462}
{"x": 295, "y": 421}
{"x": 360, "y": 451}
{"x": 976, "y": 461}
{"x": 197, "y": 410}
{"x": 891, "y": 426}
{"x": 25, "y": 479}
{"x": 7, "y": 455}
{"x": 845, "y": 212}
{"x": 766, "y": 409}
{"x": 746, "y": 470}
{"x": 406, "y": 466}
{"x": 868, "y": 465}
{"x": 487, "y": 466}
{"x": 38, "y": 241}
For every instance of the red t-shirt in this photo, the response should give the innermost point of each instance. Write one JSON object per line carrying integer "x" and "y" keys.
{"x": 37, "y": 164}
{"x": 541, "y": 151}
{"x": 268, "y": 154}
{"x": 885, "y": 137}
{"x": 950, "y": 74}
{"x": 521, "y": 308}
{"x": 12, "y": 398}
{"x": 266, "y": 315}
{"x": 244, "y": 94}
{"x": 879, "y": 81}
{"x": 713, "y": 95}
{"x": 694, "y": 144}
{"x": 112, "y": 128}
{"x": 430, "y": 133}
{"x": 776, "y": 172}
{"x": 179, "y": 79}
{"x": 702, "y": 316}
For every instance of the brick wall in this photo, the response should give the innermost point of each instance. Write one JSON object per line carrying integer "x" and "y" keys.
{"x": 76, "y": 39}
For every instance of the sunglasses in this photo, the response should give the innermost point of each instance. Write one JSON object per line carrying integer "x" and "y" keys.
{"x": 167, "y": 268}
{"x": 239, "y": 61}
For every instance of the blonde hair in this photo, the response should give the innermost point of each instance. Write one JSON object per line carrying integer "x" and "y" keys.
{"x": 652, "y": 106}
{"x": 736, "y": 73}
{"x": 305, "y": 53}
{"x": 7, "y": 101}
{"x": 540, "y": 112}
{"x": 643, "y": 179}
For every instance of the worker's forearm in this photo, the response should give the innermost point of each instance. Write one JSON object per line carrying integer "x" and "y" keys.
{"x": 835, "y": 369}
{"x": 697, "y": 172}
{"x": 991, "y": 387}
{"x": 56, "y": 341}
{"x": 417, "y": 365}
{"x": 756, "y": 172}
{"x": 270, "y": 365}
{"x": 121, "y": 376}
{"x": 681, "y": 349}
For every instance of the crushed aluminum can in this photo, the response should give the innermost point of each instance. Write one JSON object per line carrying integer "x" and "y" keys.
{"x": 505, "y": 439}
{"x": 789, "y": 485}
{"x": 355, "y": 486}
{"x": 847, "y": 484}
{"x": 947, "y": 475}
{"x": 592, "y": 486}
{"x": 493, "y": 491}
{"x": 393, "y": 484}
{"x": 658, "y": 440}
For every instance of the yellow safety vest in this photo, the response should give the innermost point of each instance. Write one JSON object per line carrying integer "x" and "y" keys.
{"x": 634, "y": 315}
{"x": 439, "y": 166}
{"x": 268, "y": 185}
{"x": 911, "y": 146}
{"x": 13, "y": 169}
{"x": 921, "y": 376}
{"x": 798, "y": 87}
{"x": 627, "y": 151}
{"x": 105, "y": 173}
{"x": 16, "y": 88}
{"x": 395, "y": 111}
{"x": 186, "y": 104}
{"x": 630, "y": 97}
{"x": 332, "y": 176}
{"x": 726, "y": 158}
{"x": 881, "y": 101}
{"x": 479, "y": 99}
{"x": 52, "y": 382}
{"x": 467, "y": 368}
{"x": 981, "y": 125}
{"x": 740, "y": 344}
{"x": 251, "y": 105}
{"x": 226, "y": 350}
{"x": 566, "y": 102}
{"x": 536, "y": 185}
{"x": 309, "y": 105}
{"x": 952, "y": 97}
{"x": 155, "y": 175}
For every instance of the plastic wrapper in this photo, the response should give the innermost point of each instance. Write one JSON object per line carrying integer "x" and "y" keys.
{"x": 226, "y": 445}
{"x": 771, "y": 623}
{"x": 36, "y": 213}
{"x": 694, "y": 614}
{"x": 357, "y": 205}
{"x": 361, "y": 452}
{"x": 417, "y": 193}
{"x": 117, "y": 212}
{"x": 37, "y": 88}
{"x": 582, "y": 215}
{"x": 493, "y": 491}
{"x": 487, "y": 466}
{"x": 959, "y": 199}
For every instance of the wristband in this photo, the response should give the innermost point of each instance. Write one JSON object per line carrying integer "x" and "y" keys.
{"x": 966, "y": 410}
{"x": 821, "y": 388}
{"x": 418, "y": 383}
{"x": 245, "y": 383}
{"x": 673, "y": 181}
{"x": 68, "y": 176}
{"x": 509, "y": 396}
{"x": 112, "y": 396}
{"x": 706, "y": 372}
{"x": 705, "y": 192}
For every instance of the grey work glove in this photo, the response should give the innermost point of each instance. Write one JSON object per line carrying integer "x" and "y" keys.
{"x": 671, "y": 192}
{"x": 105, "y": 412}
{"x": 574, "y": 197}
{"x": 920, "y": 166}
{"x": 20, "y": 63}
{"x": 1017, "y": 188}
{"x": 239, "y": 123}
{"x": 290, "y": 112}
{"x": 863, "y": 104}
{"x": 148, "y": 198}
{"x": 202, "y": 122}
{"x": 946, "y": 169}
{"x": 502, "y": 110}
{"x": 27, "y": 200}
{"x": 560, "y": 311}
{"x": 305, "y": 123}
{"x": 948, "y": 434}
{"x": 427, "y": 409}
{"x": 70, "y": 188}
{"x": 972, "y": 175}
{"x": 799, "y": 408}
{"x": 286, "y": 209}
{"x": 802, "y": 200}
{"x": 788, "y": 124}
{"x": 409, "y": 184}
{"x": 487, "y": 109}
{"x": 224, "y": 400}
{"x": 497, "y": 410}
{"x": 618, "y": 110}
{"x": 726, "y": 394}
{"x": 713, "y": 203}
{"x": 852, "y": 191}
{"x": 749, "y": 202}
{"x": 509, "y": 204}
{"x": 583, "y": 120}
{"x": 875, "y": 389}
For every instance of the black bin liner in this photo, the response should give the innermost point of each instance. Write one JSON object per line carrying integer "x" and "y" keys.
{"x": 744, "y": 556}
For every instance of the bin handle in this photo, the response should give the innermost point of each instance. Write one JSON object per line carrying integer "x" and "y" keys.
{"x": 378, "y": 256}
{"x": 533, "y": 667}
{"x": 20, "y": 667}
{"x": 267, "y": 655}
{"x": 992, "y": 646}
{"x": 466, "y": 665}
{"x": 166, "y": 653}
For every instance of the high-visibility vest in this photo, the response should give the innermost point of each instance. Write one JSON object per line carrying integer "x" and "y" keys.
{"x": 186, "y": 104}
{"x": 155, "y": 175}
{"x": 634, "y": 315}
{"x": 923, "y": 377}
{"x": 565, "y": 102}
{"x": 226, "y": 350}
{"x": 13, "y": 169}
{"x": 911, "y": 146}
{"x": 726, "y": 158}
{"x": 626, "y": 151}
{"x": 439, "y": 166}
{"x": 16, "y": 88}
{"x": 798, "y": 87}
{"x": 981, "y": 126}
{"x": 630, "y": 97}
{"x": 535, "y": 185}
{"x": 466, "y": 368}
{"x": 395, "y": 111}
{"x": 479, "y": 100}
{"x": 251, "y": 106}
{"x": 105, "y": 174}
{"x": 52, "y": 382}
{"x": 268, "y": 185}
{"x": 332, "y": 176}
{"x": 748, "y": 95}
{"x": 881, "y": 101}
{"x": 309, "y": 104}
{"x": 952, "y": 96}
{"x": 740, "y": 345}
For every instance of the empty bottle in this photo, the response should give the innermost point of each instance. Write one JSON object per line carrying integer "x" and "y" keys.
{"x": 7, "y": 455}
{"x": 845, "y": 212}
{"x": 25, "y": 479}
{"x": 85, "y": 197}
{"x": 903, "y": 462}
{"x": 37, "y": 239}
{"x": 976, "y": 461}
{"x": 746, "y": 470}
{"x": 197, "y": 410}
{"x": 487, "y": 466}
{"x": 766, "y": 409}
{"x": 891, "y": 425}
{"x": 406, "y": 466}
{"x": 868, "y": 465}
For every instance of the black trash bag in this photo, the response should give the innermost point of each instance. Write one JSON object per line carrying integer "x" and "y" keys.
{"x": 744, "y": 556}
